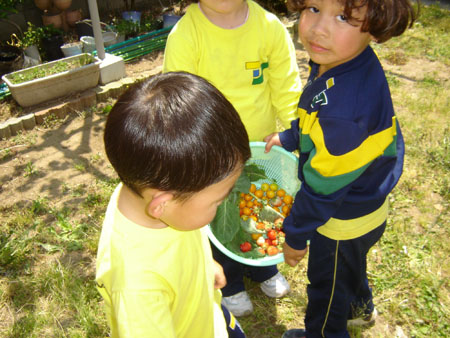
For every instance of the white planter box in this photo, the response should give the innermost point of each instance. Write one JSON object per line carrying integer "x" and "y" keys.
{"x": 53, "y": 86}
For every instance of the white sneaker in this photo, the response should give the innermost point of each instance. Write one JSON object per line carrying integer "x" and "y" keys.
{"x": 276, "y": 287}
{"x": 366, "y": 321}
{"x": 239, "y": 304}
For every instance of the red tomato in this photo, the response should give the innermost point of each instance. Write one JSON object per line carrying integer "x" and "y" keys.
{"x": 272, "y": 234}
{"x": 272, "y": 250}
{"x": 246, "y": 246}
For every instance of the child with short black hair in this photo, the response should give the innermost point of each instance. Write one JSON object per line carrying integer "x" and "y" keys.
{"x": 178, "y": 147}
{"x": 351, "y": 157}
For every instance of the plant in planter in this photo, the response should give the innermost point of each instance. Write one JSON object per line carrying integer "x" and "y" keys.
{"x": 53, "y": 79}
{"x": 30, "y": 41}
{"x": 126, "y": 28}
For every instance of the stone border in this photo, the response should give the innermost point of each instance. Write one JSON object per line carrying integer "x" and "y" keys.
{"x": 83, "y": 100}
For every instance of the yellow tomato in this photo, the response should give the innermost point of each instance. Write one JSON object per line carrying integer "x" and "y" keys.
{"x": 264, "y": 186}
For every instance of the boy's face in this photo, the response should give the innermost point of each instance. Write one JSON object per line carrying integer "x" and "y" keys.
{"x": 200, "y": 209}
{"x": 328, "y": 37}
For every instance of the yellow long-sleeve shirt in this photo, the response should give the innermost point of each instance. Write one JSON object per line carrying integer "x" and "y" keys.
{"x": 253, "y": 65}
{"x": 157, "y": 282}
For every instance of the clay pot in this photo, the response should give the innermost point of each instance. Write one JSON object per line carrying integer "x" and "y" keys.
{"x": 54, "y": 19}
{"x": 73, "y": 16}
{"x": 43, "y": 4}
{"x": 62, "y": 4}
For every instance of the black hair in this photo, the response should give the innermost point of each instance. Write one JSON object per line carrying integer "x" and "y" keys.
{"x": 174, "y": 132}
{"x": 384, "y": 18}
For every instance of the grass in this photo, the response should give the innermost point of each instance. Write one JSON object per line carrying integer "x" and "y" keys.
{"x": 47, "y": 249}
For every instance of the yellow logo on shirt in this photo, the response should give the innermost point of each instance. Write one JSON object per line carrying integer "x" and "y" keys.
{"x": 257, "y": 68}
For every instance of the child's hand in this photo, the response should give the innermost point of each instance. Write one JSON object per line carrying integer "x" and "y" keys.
{"x": 272, "y": 139}
{"x": 219, "y": 277}
{"x": 291, "y": 256}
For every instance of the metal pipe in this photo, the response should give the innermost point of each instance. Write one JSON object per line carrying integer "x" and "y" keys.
{"x": 93, "y": 10}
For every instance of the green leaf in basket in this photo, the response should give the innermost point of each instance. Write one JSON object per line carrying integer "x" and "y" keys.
{"x": 254, "y": 173}
{"x": 268, "y": 214}
{"x": 226, "y": 223}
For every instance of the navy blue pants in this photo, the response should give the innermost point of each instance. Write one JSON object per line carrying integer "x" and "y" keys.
{"x": 234, "y": 329}
{"x": 235, "y": 272}
{"x": 338, "y": 288}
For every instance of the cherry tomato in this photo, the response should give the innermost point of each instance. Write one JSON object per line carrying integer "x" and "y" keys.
{"x": 242, "y": 203}
{"x": 275, "y": 242}
{"x": 285, "y": 209}
{"x": 262, "y": 251}
{"x": 247, "y": 211}
{"x": 242, "y": 195}
{"x": 272, "y": 234}
{"x": 271, "y": 250}
{"x": 276, "y": 202}
{"x": 260, "y": 241}
{"x": 246, "y": 246}
{"x": 270, "y": 194}
{"x": 281, "y": 193}
{"x": 250, "y": 204}
{"x": 259, "y": 193}
{"x": 264, "y": 186}
{"x": 278, "y": 223}
{"x": 273, "y": 187}
{"x": 252, "y": 188}
{"x": 253, "y": 217}
{"x": 287, "y": 199}
{"x": 256, "y": 236}
{"x": 248, "y": 197}
{"x": 260, "y": 226}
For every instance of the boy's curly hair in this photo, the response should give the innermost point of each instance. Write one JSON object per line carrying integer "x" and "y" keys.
{"x": 384, "y": 18}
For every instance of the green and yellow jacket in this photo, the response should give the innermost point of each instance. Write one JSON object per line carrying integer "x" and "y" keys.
{"x": 351, "y": 152}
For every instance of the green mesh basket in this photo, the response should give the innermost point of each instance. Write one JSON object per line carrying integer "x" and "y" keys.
{"x": 280, "y": 166}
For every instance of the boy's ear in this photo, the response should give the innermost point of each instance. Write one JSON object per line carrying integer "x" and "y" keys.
{"x": 155, "y": 208}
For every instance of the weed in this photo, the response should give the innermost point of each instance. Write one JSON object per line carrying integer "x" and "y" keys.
{"x": 30, "y": 169}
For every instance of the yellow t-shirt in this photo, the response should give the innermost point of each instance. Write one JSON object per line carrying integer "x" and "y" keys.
{"x": 253, "y": 65}
{"x": 156, "y": 282}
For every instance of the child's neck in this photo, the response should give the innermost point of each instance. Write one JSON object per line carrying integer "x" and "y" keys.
{"x": 133, "y": 207}
{"x": 228, "y": 20}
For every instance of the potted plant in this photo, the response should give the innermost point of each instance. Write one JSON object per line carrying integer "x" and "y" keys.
{"x": 29, "y": 41}
{"x": 54, "y": 79}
